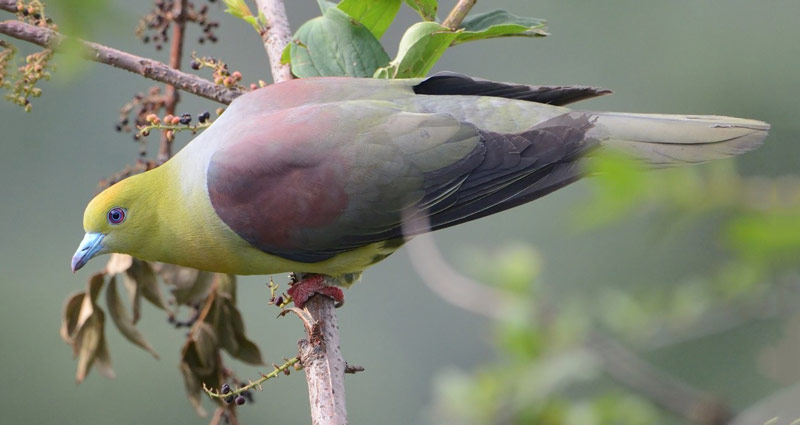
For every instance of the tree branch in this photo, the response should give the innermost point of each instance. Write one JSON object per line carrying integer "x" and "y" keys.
{"x": 276, "y": 36}
{"x": 670, "y": 393}
{"x": 621, "y": 364}
{"x": 320, "y": 354}
{"x": 147, "y": 68}
{"x": 459, "y": 12}
{"x": 8, "y": 5}
{"x": 323, "y": 363}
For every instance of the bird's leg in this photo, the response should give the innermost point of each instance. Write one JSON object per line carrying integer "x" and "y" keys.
{"x": 309, "y": 284}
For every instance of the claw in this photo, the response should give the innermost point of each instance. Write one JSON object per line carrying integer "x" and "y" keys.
{"x": 314, "y": 284}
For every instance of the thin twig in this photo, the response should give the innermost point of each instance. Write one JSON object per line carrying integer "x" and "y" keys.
{"x": 276, "y": 36}
{"x": 459, "y": 12}
{"x": 254, "y": 384}
{"x": 148, "y": 68}
{"x": 175, "y": 55}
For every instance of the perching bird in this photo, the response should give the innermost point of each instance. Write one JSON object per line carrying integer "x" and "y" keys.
{"x": 318, "y": 175}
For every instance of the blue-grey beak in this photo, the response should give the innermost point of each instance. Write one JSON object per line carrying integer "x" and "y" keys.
{"x": 91, "y": 245}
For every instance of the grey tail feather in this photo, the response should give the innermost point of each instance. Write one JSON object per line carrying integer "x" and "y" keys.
{"x": 666, "y": 140}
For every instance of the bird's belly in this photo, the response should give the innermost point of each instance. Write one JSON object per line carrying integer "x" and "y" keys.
{"x": 248, "y": 260}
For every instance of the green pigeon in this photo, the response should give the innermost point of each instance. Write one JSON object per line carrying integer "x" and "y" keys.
{"x": 319, "y": 175}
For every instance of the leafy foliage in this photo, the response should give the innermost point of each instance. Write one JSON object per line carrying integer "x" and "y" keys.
{"x": 344, "y": 40}
{"x": 548, "y": 368}
{"x": 335, "y": 45}
{"x": 217, "y": 324}
{"x": 499, "y": 23}
{"x": 426, "y": 8}
{"x": 376, "y": 16}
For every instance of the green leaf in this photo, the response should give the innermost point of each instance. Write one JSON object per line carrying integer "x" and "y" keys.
{"x": 336, "y": 45}
{"x": 425, "y": 8}
{"x": 239, "y": 9}
{"x": 376, "y": 15}
{"x": 421, "y": 46}
{"x": 499, "y": 23}
{"x": 286, "y": 55}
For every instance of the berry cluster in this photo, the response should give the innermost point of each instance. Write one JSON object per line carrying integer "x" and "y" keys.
{"x": 221, "y": 74}
{"x": 33, "y": 13}
{"x": 138, "y": 109}
{"x": 277, "y": 298}
{"x": 171, "y": 124}
{"x": 6, "y": 56}
{"x": 37, "y": 67}
{"x": 155, "y": 25}
{"x": 21, "y": 85}
{"x": 172, "y": 320}
{"x": 240, "y": 399}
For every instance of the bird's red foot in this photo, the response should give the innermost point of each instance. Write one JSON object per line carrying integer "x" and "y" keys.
{"x": 314, "y": 284}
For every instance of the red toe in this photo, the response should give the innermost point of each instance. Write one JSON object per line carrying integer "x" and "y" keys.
{"x": 310, "y": 285}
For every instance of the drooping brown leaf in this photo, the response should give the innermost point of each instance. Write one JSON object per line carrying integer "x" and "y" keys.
{"x": 194, "y": 388}
{"x": 91, "y": 347}
{"x": 102, "y": 356}
{"x": 226, "y": 285}
{"x": 140, "y": 280}
{"x": 118, "y": 263}
{"x": 148, "y": 283}
{"x": 121, "y": 318}
{"x": 200, "y": 364}
{"x": 89, "y": 300}
{"x": 69, "y": 320}
{"x": 225, "y": 319}
{"x": 207, "y": 346}
{"x": 190, "y": 286}
{"x": 83, "y": 328}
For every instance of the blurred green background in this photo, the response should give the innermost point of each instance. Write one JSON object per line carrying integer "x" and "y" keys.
{"x": 725, "y": 57}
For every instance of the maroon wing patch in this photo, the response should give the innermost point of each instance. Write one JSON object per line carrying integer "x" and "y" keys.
{"x": 272, "y": 189}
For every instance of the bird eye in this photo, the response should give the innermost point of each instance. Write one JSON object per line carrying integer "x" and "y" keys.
{"x": 116, "y": 215}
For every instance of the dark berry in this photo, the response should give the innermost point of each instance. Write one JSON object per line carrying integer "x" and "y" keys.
{"x": 118, "y": 128}
{"x": 279, "y": 300}
{"x": 203, "y": 117}
{"x": 225, "y": 389}
{"x": 195, "y": 65}
{"x": 240, "y": 400}
{"x": 186, "y": 119}
{"x": 229, "y": 399}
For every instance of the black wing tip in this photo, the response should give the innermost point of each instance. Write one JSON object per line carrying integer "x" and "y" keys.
{"x": 452, "y": 83}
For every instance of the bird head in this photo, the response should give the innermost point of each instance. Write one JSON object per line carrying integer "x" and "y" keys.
{"x": 116, "y": 220}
